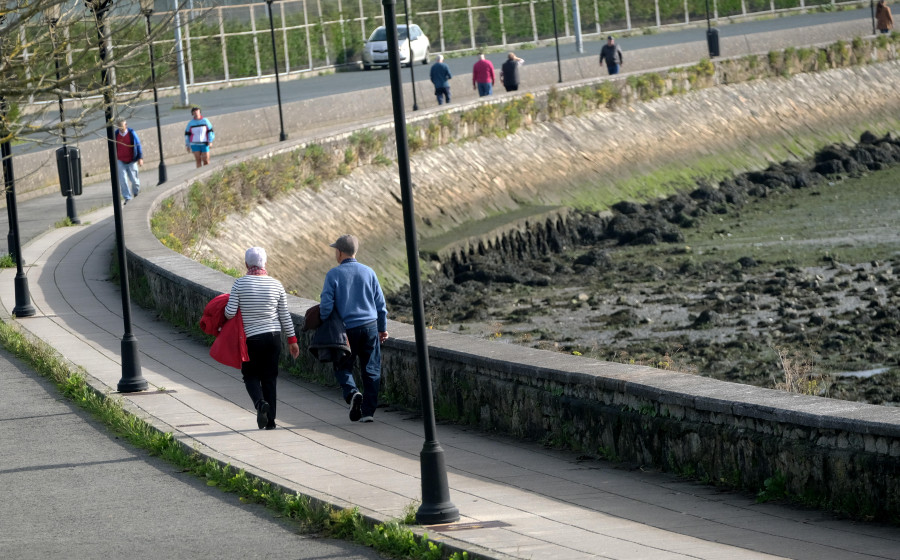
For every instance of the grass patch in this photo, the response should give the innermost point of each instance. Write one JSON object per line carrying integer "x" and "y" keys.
{"x": 391, "y": 538}
{"x": 65, "y": 222}
{"x": 7, "y": 261}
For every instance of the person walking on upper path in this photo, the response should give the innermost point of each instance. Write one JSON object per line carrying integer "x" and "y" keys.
{"x": 263, "y": 305}
{"x": 199, "y": 136}
{"x": 883, "y": 18}
{"x": 129, "y": 156}
{"x": 509, "y": 72}
{"x": 483, "y": 76}
{"x": 611, "y": 54}
{"x": 440, "y": 77}
{"x": 352, "y": 291}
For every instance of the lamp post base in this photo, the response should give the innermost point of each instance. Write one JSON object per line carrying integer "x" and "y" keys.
{"x": 282, "y": 136}
{"x": 132, "y": 380}
{"x": 71, "y": 212}
{"x": 436, "y": 506}
{"x": 163, "y": 176}
{"x": 23, "y": 306}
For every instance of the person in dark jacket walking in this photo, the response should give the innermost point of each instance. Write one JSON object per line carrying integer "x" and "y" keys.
{"x": 352, "y": 291}
{"x": 440, "y": 77}
{"x": 129, "y": 156}
{"x": 611, "y": 54}
{"x": 509, "y": 72}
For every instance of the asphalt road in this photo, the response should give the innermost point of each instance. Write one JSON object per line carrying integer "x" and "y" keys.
{"x": 71, "y": 490}
{"x": 253, "y": 96}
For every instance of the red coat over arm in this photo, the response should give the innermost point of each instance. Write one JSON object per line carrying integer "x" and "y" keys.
{"x": 230, "y": 346}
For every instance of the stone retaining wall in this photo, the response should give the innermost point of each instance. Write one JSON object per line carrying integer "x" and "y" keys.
{"x": 829, "y": 453}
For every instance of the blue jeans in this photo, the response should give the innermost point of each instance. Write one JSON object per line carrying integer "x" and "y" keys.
{"x": 442, "y": 93}
{"x": 485, "y": 89}
{"x": 364, "y": 345}
{"x": 128, "y": 172}
{"x": 612, "y": 68}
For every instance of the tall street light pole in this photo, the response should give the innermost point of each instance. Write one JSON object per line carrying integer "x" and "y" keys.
{"x": 147, "y": 10}
{"x": 712, "y": 36}
{"x": 436, "y": 505}
{"x": 556, "y": 38}
{"x": 412, "y": 61}
{"x": 132, "y": 380}
{"x": 872, "y": 7}
{"x": 282, "y": 136}
{"x": 10, "y": 234}
{"x": 53, "y": 14}
{"x": 23, "y": 306}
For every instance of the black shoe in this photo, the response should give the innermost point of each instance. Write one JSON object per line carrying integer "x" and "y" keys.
{"x": 125, "y": 203}
{"x": 356, "y": 407}
{"x": 270, "y": 426}
{"x": 262, "y": 415}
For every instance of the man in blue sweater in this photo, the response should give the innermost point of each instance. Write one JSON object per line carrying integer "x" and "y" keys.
{"x": 352, "y": 291}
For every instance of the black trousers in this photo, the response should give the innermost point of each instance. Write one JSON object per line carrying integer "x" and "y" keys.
{"x": 261, "y": 372}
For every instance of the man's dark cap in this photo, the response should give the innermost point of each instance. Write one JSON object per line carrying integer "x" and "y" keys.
{"x": 347, "y": 244}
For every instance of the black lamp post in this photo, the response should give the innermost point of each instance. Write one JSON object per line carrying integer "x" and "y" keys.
{"x": 53, "y": 13}
{"x": 712, "y": 36}
{"x": 147, "y": 10}
{"x": 132, "y": 380}
{"x": 282, "y": 137}
{"x": 872, "y": 7}
{"x": 412, "y": 62}
{"x": 10, "y": 234}
{"x": 23, "y": 306}
{"x": 556, "y": 38}
{"x": 436, "y": 505}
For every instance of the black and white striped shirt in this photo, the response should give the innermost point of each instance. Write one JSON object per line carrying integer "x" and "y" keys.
{"x": 263, "y": 305}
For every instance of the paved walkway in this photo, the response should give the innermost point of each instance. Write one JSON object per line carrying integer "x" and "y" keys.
{"x": 551, "y": 504}
{"x": 547, "y": 503}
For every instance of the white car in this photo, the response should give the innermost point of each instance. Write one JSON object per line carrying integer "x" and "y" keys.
{"x": 375, "y": 51}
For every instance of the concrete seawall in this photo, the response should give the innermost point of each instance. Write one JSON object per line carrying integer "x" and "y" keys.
{"x": 589, "y": 160}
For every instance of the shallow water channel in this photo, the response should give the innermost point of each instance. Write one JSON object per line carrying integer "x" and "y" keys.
{"x": 799, "y": 284}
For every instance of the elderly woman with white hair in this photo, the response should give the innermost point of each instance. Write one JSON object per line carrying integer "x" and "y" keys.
{"x": 263, "y": 305}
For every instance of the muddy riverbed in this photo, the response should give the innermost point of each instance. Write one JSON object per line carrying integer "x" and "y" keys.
{"x": 788, "y": 273}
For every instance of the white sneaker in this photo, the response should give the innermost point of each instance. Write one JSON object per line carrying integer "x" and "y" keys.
{"x": 366, "y": 420}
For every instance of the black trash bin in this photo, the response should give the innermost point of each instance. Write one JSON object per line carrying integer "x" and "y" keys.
{"x": 68, "y": 166}
{"x": 712, "y": 41}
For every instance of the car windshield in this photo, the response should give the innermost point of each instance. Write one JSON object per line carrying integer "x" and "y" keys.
{"x": 381, "y": 34}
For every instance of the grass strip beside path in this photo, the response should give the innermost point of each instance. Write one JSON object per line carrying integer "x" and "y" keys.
{"x": 393, "y": 538}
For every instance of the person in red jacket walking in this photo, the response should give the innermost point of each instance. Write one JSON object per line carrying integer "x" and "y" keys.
{"x": 129, "y": 156}
{"x": 483, "y": 76}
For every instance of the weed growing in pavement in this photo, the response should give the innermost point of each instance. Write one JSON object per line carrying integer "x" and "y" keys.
{"x": 7, "y": 261}
{"x": 774, "y": 488}
{"x": 391, "y": 538}
{"x": 65, "y": 222}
